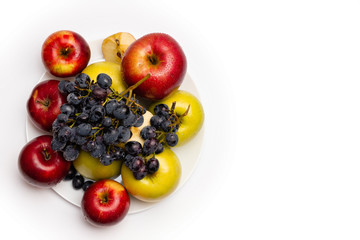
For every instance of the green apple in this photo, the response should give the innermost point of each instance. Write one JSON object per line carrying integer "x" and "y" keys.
{"x": 91, "y": 168}
{"x": 157, "y": 186}
{"x": 191, "y": 123}
{"x": 110, "y": 68}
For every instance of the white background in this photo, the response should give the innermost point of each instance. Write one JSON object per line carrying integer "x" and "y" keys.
{"x": 279, "y": 81}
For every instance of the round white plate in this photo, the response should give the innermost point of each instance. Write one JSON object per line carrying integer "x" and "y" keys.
{"x": 188, "y": 154}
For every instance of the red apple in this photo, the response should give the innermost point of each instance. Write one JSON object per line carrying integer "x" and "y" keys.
{"x": 161, "y": 56}
{"x": 105, "y": 202}
{"x": 40, "y": 165}
{"x": 65, "y": 53}
{"x": 44, "y": 104}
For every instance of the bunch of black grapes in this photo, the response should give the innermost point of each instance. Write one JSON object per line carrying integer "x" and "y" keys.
{"x": 95, "y": 119}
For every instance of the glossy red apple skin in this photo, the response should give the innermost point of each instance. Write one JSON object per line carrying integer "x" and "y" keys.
{"x": 40, "y": 165}
{"x": 65, "y": 53}
{"x": 44, "y": 104}
{"x": 160, "y": 55}
{"x": 105, "y": 203}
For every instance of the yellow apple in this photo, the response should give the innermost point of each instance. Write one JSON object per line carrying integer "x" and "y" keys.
{"x": 157, "y": 186}
{"x": 91, "y": 168}
{"x": 114, "y": 46}
{"x": 111, "y": 69}
{"x": 191, "y": 123}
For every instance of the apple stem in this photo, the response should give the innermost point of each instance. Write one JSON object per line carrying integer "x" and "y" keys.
{"x": 46, "y": 154}
{"x": 45, "y": 102}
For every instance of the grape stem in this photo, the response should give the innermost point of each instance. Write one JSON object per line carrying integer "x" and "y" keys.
{"x": 132, "y": 87}
{"x": 178, "y": 118}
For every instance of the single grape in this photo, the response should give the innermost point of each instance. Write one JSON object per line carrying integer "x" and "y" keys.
{"x": 148, "y": 132}
{"x": 99, "y": 93}
{"x": 65, "y": 134}
{"x": 137, "y": 163}
{"x": 164, "y": 114}
{"x": 150, "y": 146}
{"x": 107, "y": 122}
{"x": 61, "y": 86}
{"x": 62, "y": 118}
{"x": 119, "y": 153}
{"x": 124, "y": 134}
{"x": 172, "y": 139}
{"x": 67, "y": 109}
{"x": 82, "y": 117}
{"x": 87, "y": 184}
{"x": 90, "y": 146}
{"x": 97, "y": 113}
{"x": 103, "y": 80}
{"x": 106, "y": 159}
{"x": 130, "y": 120}
{"x": 133, "y": 147}
{"x": 121, "y": 112}
{"x": 110, "y": 136}
{"x": 128, "y": 160}
{"x": 111, "y": 105}
{"x": 139, "y": 121}
{"x": 165, "y": 126}
{"x": 140, "y": 174}
{"x": 152, "y": 165}
{"x": 57, "y": 145}
{"x": 71, "y": 152}
{"x": 78, "y": 181}
{"x": 74, "y": 98}
{"x": 56, "y": 126}
{"x": 82, "y": 80}
{"x": 98, "y": 151}
{"x": 159, "y": 149}
{"x": 71, "y": 173}
{"x": 83, "y": 129}
{"x": 159, "y": 108}
{"x": 156, "y": 121}
{"x": 70, "y": 86}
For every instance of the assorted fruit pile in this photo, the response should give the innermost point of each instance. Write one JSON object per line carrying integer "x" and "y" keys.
{"x": 120, "y": 116}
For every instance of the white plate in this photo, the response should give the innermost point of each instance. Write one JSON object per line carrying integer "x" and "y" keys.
{"x": 188, "y": 154}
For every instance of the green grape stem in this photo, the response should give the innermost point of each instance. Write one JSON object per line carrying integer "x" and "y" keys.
{"x": 131, "y": 88}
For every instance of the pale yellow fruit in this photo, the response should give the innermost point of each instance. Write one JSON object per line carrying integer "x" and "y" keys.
{"x": 157, "y": 186}
{"x": 114, "y": 46}
{"x": 92, "y": 168}
{"x": 111, "y": 69}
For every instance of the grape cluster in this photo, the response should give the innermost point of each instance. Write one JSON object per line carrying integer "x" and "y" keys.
{"x": 161, "y": 132}
{"x": 96, "y": 119}
{"x": 166, "y": 123}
